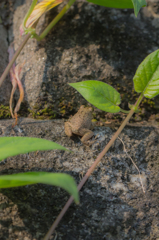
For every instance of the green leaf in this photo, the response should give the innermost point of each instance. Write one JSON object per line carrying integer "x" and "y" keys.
{"x": 113, "y": 3}
{"x": 146, "y": 78}
{"x": 62, "y": 180}
{"x": 11, "y": 146}
{"x": 100, "y": 94}
{"x": 137, "y": 5}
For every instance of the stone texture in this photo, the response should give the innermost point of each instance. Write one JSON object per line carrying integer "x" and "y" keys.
{"x": 6, "y": 86}
{"x": 112, "y": 203}
{"x": 90, "y": 42}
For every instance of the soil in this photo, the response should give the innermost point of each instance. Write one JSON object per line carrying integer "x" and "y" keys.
{"x": 112, "y": 202}
{"x": 90, "y": 42}
{"x": 108, "y": 48}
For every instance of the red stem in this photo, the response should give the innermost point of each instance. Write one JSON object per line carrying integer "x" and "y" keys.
{"x": 6, "y": 71}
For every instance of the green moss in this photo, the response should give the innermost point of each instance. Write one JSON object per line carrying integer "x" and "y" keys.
{"x": 40, "y": 118}
{"x": 63, "y": 111}
{"x": 45, "y": 113}
{"x": 37, "y": 106}
{"x": 4, "y": 112}
{"x": 94, "y": 120}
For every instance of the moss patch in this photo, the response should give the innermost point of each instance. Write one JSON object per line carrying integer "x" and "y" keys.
{"x": 4, "y": 112}
{"x": 45, "y": 113}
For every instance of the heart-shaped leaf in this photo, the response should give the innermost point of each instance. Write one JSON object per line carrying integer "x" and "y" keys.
{"x": 11, "y": 146}
{"x": 62, "y": 180}
{"x": 100, "y": 94}
{"x": 146, "y": 78}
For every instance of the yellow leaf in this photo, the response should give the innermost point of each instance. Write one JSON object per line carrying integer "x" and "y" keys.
{"x": 40, "y": 9}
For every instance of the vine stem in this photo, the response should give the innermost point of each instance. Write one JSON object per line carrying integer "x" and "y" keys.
{"x": 44, "y": 33}
{"x": 54, "y": 21}
{"x": 6, "y": 71}
{"x": 91, "y": 169}
{"x": 29, "y": 13}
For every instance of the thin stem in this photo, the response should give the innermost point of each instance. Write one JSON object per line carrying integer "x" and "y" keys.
{"x": 91, "y": 169}
{"x": 29, "y": 13}
{"x": 44, "y": 33}
{"x": 133, "y": 163}
{"x": 124, "y": 111}
{"x": 135, "y": 107}
{"x": 55, "y": 20}
{"x": 6, "y": 71}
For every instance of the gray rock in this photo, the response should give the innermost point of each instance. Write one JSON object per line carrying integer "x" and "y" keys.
{"x": 6, "y": 86}
{"x": 90, "y": 42}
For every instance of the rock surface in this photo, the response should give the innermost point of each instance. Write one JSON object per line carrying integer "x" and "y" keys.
{"x": 112, "y": 203}
{"x": 90, "y": 42}
{"x": 5, "y": 89}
